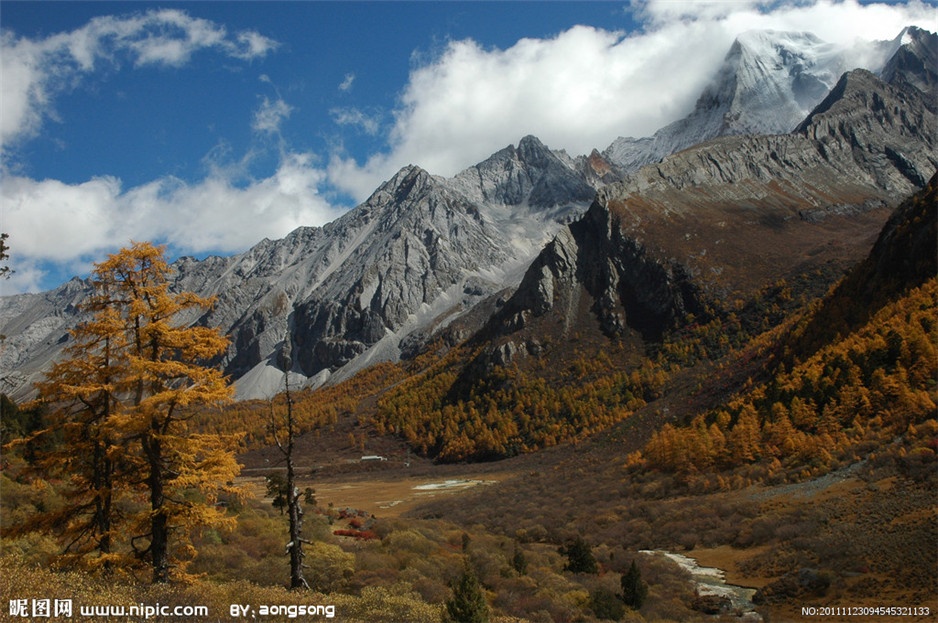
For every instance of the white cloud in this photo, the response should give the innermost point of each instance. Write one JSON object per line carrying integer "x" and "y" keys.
{"x": 27, "y": 276}
{"x": 35, "y": 70}
{"x": 369, "y": 124}
{"x": 66, "y": 224}
{"x": 270, "y": 115}
{"x": 584, "y": 87}
{"x": 346, "y": 84}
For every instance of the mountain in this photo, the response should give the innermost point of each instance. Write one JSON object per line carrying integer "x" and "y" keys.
{"x": 711, "y": 227}
{"x": 679, "y": 265}
{"x": 425, "y": 253}
{"x": 768, "y": 82}
{"x": 421, "y": 248}
{"x": 914, "y": 64}
{"x": 904, "y": 257}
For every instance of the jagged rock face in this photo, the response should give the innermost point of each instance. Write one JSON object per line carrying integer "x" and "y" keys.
{"x": 724, "y": 218}
{"x": 628, "y": 287}
{"x": 34, "y": 329}
{"x": 530, "y": 173}
{"x": 767, "y": 84}
{"x": 420, "y": 247}
{"x": 427, "y": 239}
{"x": 890, "y": 132}
{"x": 915, "y": 65}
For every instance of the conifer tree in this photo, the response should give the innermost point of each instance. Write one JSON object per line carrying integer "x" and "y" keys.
{"x": 167, "y": 377}
{"x": 467, "y": 604}
{"x": 519, "y": 562}
{"x": 580, "y": 557}
{"x": 121, "y": 403}
{"x": 80, "y": 443}
{"x": 634, "y": 589}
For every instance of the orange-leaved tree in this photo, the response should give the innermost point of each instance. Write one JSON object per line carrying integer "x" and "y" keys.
{"x": 135, "y": 378}
{"x": 79, "y": 443}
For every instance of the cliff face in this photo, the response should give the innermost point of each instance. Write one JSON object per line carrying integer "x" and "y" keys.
{"x": 628, "y": 287}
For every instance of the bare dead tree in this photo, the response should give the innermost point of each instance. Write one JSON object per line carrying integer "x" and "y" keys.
{"x": 286, "y": 447}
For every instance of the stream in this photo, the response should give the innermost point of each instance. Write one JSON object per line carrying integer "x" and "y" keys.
{"x": 711, "y": 581}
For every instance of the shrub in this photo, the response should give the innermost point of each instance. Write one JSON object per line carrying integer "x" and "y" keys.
{"x": 329, "y": 567}
{"x": 606, "y": 605}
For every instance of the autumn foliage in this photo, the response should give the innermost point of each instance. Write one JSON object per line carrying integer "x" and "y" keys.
{"x": 137, "y": 475}
{"x": 873, "y": 385}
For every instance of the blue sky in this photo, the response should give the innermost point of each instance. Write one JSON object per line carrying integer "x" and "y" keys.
{"x": 211, "y": 125}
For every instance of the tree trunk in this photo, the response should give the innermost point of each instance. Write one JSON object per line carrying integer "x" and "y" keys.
{"x": 102, "y": 471}
{"x": 293, "y": 501}
{"x": 159, "y": 528}
{"x": 296, "y": 530}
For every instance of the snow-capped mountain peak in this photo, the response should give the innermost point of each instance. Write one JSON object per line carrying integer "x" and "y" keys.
{"x": 768, "y": 82}
{"x": 771, "y": 80}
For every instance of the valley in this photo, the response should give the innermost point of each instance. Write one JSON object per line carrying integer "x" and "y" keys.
{"x": 520, "y": 380}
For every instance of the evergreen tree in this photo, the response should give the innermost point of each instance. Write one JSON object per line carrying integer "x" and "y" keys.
{"x": 468, "y": 602}
{"x": 277, "y": 489}
{"x": 519, "y": 562}
{"x": 580, "y": 557}
{"x": 634, "y": 590}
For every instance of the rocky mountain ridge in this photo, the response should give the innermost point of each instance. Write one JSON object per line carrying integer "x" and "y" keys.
{"x": 419, "y": 248}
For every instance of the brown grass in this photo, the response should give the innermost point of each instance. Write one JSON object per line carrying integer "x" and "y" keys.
{"x": 729, "y": 558}
{"x": 384, "y": 496}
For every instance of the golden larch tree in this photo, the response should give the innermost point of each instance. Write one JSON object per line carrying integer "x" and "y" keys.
{"x": 121, "y": 408}
{"x": 167, "y": 380}
{"x": 79, "y": 444}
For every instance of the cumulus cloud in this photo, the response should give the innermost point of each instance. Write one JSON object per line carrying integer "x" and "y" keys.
{"x": 64, "y": 225}
{"x": 584, "y": 87}
{"x": 35, "y": 70}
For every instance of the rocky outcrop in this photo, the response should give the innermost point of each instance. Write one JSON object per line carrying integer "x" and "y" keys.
{"x": 628, "y": 287}
{"x": 915, "y": 65}
{"x": 530, "y": 173}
